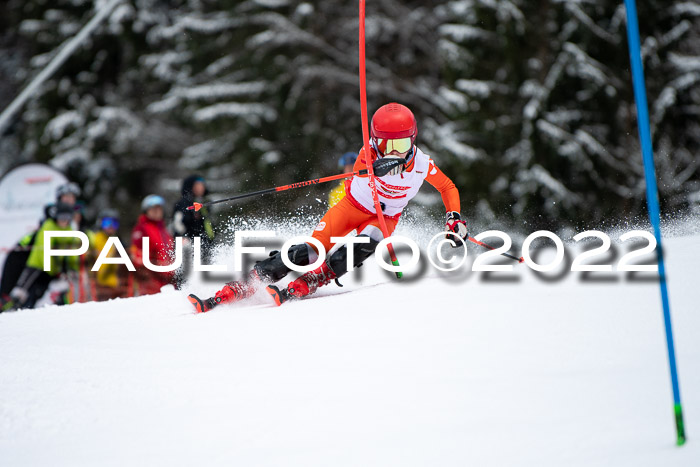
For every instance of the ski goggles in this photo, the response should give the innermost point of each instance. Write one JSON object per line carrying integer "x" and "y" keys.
{"x": 400, "y": 145}
{"x": 109, "y": 223}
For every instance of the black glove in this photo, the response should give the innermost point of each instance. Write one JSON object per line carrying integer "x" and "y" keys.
{"x": 454, "y": 223}
{"x": 388, "y": 165}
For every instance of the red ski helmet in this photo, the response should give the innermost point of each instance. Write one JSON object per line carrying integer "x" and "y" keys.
{"x": 393, "y": 122}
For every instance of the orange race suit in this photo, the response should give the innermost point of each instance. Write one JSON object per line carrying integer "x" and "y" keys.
{"x": 356, "y": 211}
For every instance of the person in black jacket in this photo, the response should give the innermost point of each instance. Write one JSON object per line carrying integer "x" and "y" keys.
{"x": 16, "y": 259}
{"x": 192, "y": 223}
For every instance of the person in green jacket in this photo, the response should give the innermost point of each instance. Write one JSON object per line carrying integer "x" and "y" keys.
{"x": 34, "y": 281}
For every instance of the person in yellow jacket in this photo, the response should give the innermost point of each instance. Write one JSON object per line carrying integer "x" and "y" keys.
{"x": 108, "y": 281}
{"x": 345, "y": 163}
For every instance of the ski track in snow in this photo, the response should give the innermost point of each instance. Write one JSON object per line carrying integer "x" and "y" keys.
{"x": 441, "y": 370}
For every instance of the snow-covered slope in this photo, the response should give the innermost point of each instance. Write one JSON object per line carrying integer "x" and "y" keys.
{"x": 435, "y": 371}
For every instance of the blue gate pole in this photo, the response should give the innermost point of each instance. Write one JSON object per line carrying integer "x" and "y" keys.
{"x": 640, "y": 98}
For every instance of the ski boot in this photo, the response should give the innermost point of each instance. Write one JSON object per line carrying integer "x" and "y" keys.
{"x": 233, "y": 291}
{"x": 304, "y": 285}
{"x": 270, "y": 270}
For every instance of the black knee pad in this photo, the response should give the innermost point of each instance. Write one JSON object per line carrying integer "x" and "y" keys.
{"x": 338, "y": 261}
{"x": 273, "y": 269}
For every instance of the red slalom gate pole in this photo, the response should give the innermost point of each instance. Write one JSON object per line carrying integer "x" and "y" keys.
{"x": 365, "y": 140}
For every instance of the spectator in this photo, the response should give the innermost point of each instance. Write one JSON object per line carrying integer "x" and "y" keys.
{"x": 345, "y": 163}
{"x": 151, "y": 225}
{"x": 17, "y": 258}
{"x": 14, "y": 264}
{"x": 34, "y": 281}
{"x": 109, "y": 283}
{"x": 79, "y": 221}
{"x": 68, "y": 193}
{"x": 193, "y": 223}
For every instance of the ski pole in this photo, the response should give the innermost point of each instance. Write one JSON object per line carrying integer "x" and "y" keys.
{"x": 388, "y": 165}
{"x": 489, "y": 247}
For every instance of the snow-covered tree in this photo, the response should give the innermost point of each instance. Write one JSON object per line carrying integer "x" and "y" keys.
{"x": 544, "y": 90}
{"x": 528, "y": 106}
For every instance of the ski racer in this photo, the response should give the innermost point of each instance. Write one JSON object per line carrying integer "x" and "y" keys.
{"x": 393, "y": 134}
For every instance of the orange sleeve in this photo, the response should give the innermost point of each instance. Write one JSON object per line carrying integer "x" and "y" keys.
{"x": 360, "y": 161}
{"x": 448, "y": 190}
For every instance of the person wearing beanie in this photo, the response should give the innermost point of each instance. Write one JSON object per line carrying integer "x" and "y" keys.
{"x": 68, "y": 193}
{"x": 191, "y": 223}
